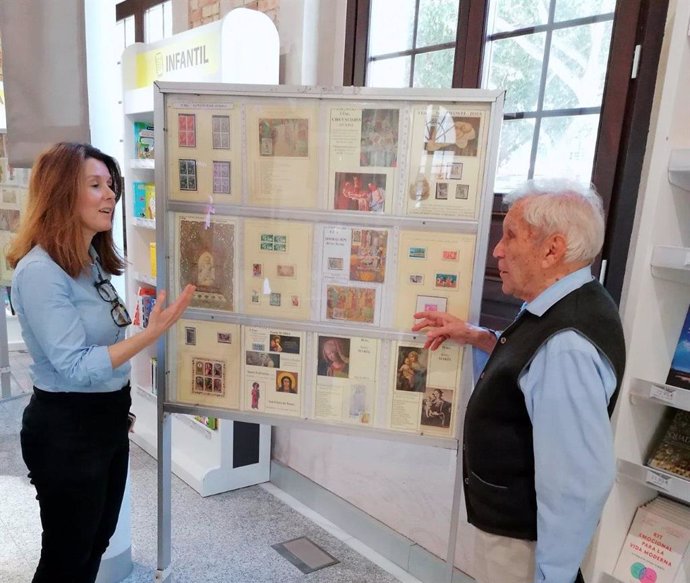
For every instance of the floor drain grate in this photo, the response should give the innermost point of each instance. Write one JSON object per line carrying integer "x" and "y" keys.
{"x": 304, "y": 554}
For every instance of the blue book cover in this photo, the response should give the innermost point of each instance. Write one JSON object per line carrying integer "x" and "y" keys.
{"x": 139, "y": 210}
{"x": 143, "y": 140}
{"x": 679, "y": 374}
{"x": 144, "y": 200}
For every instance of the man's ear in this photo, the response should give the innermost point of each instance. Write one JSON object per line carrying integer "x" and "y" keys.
{"x": 555, "y": 248}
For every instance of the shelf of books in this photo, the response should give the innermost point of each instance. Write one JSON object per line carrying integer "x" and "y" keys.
{"x": 202, "y": 447}
{"x": 645, "y": 528}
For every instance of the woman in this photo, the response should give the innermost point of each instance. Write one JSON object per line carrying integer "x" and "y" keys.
{"x": 74, "y": 429}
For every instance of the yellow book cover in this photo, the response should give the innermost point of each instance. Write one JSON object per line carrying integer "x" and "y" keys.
{"x": 152, "y": 258}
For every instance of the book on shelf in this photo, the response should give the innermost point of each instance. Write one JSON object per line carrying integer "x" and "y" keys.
{"x": 672, "y": 452}
{"x": 679, "y": 373}
{"x": 152, "y": 259}
{"x": 144, "y": 200}
{"x": 656, "y": 546}
{"x": 210, "y": 422}
{"x": 146, "y": 299}
{"x": 143, "y": 140}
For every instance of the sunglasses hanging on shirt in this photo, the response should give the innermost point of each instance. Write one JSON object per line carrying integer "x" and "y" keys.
{"x": 107, "y": 291}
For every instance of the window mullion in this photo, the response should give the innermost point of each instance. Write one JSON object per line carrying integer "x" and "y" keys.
{"x": 542, "y": 90}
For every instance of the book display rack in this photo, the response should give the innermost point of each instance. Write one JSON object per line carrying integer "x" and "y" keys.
{"x": 203, "y": 453}
{"x": 650, "y": 418}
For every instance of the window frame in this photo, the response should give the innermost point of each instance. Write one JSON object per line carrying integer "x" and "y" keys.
{"x": 624, "y": 116}
{"x": 137, "y": 9}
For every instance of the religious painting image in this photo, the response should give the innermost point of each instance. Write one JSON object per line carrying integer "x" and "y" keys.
{"x": 412, "y": 369}
{"x": 354, "y": 304}
{"x": 368, "y": 255}
{"x": 209, "y": 377}
{"x": 437, "y": 408}
{"x": 283, "y": 343}
{"x": 333, "y": 357}
{"x": 206, "y": 259}
{"x": 360, "y": 191}
{"x": 284, "y": 137}
{"x": 448, "y": 133}
{"x": 379, "y": 138}
{"x": 286, "y": 382}
{"x": 255, "y": 395}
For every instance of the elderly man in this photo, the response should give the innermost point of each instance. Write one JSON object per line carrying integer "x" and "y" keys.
{"x": 537, "y": 444}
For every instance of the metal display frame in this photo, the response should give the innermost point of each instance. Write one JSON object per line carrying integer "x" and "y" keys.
{"x": 479, "y": 227}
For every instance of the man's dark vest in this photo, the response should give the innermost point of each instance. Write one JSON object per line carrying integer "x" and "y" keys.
{"x": 498, "y": 457}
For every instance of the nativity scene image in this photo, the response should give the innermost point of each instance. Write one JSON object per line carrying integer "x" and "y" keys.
{"x": 206, "y": 250}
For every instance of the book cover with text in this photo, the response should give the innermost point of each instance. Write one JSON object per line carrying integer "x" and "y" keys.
{"x": 653, "y": 550}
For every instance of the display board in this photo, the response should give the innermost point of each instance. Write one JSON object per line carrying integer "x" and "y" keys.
{"x": 314, "y": 224}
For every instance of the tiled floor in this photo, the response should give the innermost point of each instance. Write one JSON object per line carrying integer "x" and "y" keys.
{"x": 223, "y": 538}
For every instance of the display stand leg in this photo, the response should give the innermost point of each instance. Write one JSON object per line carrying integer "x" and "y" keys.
{"x": 164, "y": 495}
{"x": 454, "y": 516}
{"x": 5, "y": 383}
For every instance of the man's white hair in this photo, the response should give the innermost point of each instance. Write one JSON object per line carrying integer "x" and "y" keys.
{"x": 557, "y": 205}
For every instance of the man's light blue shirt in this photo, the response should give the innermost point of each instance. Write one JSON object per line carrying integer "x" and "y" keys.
{"x": 67, "y": 327}
{"x": 567, "y": 387}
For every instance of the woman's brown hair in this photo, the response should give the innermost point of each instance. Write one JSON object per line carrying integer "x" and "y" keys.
{"x": 51, "y": 219}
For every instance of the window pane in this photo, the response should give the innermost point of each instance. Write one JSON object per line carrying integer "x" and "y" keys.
{"x": 514, "y": 153}
{"x": 515, "y": 65}
{"x": 438, "y": 22}
{"x": 577, "y": 66}
{"x": 389, "y": 73}
{"x": 167, "y": 19}
{"x": 120, "y": 43}
{"x": 566, "y": 147}
{"x": 434, "y": 69}
{"x": 129, "y": 31}
{"x": 505, "y": 15}
{"x": 153, "y": 24}
{"x": 567, "y": 9}
{"x": 391, "y": 26}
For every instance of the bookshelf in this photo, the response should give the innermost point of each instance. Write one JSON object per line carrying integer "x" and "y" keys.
{"x": 655, "y": 302}
{"x": 202, "y": 457}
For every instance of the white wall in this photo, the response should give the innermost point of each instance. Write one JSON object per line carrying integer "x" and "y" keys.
{"x": 105, "y": 94}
